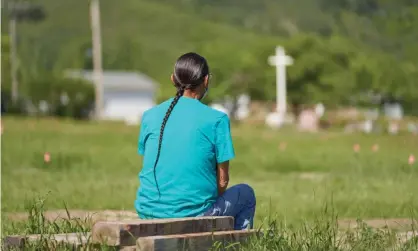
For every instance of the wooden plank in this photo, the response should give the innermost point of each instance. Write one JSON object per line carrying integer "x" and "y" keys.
{"x": 195, "y": 241}
{"x": 20, "y": 241}
{"x": 126, "y": 232}
{"x": 127, "y": 248}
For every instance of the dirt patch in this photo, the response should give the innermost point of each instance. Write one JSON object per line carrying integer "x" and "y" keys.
{"x": 312, "y": 176}
{"x": 401, "y": 224}
{"x": 108, "y": 215}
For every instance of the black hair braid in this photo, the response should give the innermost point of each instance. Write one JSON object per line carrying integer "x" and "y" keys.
{"x": 167, "y": 114}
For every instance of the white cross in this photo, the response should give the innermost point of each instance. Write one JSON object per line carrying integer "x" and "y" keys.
{"x": 280, "y": 60}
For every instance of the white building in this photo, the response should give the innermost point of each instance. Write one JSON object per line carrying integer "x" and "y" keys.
{"x": 126, "y": 95}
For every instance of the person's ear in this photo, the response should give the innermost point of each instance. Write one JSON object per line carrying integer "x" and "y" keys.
{"x": 172, "y": 79}
{"x": 206, "y": 81}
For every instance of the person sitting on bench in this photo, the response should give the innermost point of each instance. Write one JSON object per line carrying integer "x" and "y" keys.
{"x": 186, "y": 148}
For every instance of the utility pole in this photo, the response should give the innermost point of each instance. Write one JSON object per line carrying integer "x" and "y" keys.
{"x": 20, "y": 12}
{"x": 13, "y": 59}
{"x": 97, "y": 56}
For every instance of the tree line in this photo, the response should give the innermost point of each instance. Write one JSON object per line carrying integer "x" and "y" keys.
{"x": 344, "y": 51}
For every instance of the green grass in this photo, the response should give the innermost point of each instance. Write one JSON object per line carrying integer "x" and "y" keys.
{"x": 95, "y": 166}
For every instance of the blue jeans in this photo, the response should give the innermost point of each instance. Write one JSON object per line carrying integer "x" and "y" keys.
{"x": 237, "y": 201}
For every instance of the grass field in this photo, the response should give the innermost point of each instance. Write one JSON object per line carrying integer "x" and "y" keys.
{"x": 295, "y": 175}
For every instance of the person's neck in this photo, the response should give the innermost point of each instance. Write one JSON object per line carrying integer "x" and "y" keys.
{"x": 191, "y": 94}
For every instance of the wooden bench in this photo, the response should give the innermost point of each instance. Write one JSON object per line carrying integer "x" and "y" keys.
{"x": 198, "y": 233}
{"x": 126, "y": 232}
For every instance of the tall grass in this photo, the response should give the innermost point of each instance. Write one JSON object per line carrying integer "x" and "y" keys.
{"x": 38, "y": 224}
{"x": 325, "y": 235}
{"x": 321, "y": 234}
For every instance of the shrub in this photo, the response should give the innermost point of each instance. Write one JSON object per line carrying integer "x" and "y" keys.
{"x": 21, "y": 106}
{"x": 65, "y": 97}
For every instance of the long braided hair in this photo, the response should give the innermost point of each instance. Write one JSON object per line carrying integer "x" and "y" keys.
{"x": 190, "y": 71}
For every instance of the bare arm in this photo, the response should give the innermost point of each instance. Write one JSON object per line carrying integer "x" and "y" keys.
{"x": 222, "y": 177}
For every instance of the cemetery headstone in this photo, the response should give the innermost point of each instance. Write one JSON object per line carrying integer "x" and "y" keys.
{"x": 243, "y": 109}
{"x": 274, "y": 120}
{"x": 308, "y": 121}
{"x": 393, "y": 111}
{"x": 30, "y": 108}
{"x": 371, "y": 115}
{"x": 413, "y": 128}
{"x": 320, "y": 110}
{"x": 64, "y": 99}
{"x": 277, "y": 119}
{"x": 43, "y": 107}
{"x": 229, "y": 104}
{"x": 368, "y": 126}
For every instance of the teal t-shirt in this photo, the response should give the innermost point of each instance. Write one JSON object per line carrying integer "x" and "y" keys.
{"x": 196, "y": 138}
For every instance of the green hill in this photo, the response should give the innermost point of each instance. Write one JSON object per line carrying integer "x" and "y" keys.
{"x": 337, "y": 42}
{"x": 137, "y": 35}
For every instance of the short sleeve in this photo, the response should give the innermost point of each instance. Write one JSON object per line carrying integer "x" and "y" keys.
{"x": 142, "y": 137}
{"x": 223, "y": 141}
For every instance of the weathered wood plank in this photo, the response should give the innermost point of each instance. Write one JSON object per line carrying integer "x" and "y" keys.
{"x": 71, "y": 239}
{"x": 128, "y": 248}
{"x": 195, "y": 241}
{"x": 126, "y": 232}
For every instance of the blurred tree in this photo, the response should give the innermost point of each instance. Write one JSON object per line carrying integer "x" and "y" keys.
{"x": 5, "y": 62}
{"x": 321, "y": 70}
{"x": 341, "y": 48}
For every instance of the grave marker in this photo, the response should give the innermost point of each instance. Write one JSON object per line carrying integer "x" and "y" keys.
{"x": 43, "y": 106}
{"x": 308, "y": 121}
{"x": 280, "y": 61}
{"x": 229, "y": 104}
{"x": 320, "y": 110}
{"x": 243, "y": 110}
{"x": 64, "y": 99}
{"x": 393, "y": 111}
{"x": 413, "y": 128}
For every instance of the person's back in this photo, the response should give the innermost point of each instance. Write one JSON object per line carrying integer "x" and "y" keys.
{"x": 187, "y": 147}
{"x": 186, "y": 170}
